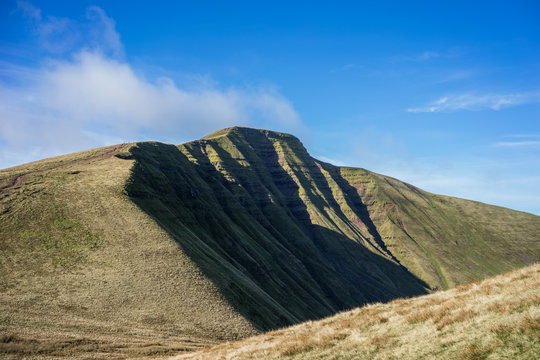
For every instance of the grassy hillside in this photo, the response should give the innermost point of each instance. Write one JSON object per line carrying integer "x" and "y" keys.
{"x": 83, "y": 272}
{"x": 147, "y": 249}
{"x": 498, "y": 318}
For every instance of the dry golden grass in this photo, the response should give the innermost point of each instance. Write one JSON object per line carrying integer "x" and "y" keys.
{"x": 497, "y": 318}
{"x": 102, "y": 347}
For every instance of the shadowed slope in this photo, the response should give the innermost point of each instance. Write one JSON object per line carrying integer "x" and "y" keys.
{"x": 250, "y": 231}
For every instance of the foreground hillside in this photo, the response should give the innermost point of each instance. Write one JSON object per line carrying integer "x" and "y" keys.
{"x": 149, "y": 249}
{"x": 498, "y": 318}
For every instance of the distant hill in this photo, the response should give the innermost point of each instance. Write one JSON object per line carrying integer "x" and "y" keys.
{"x": 498, "y": 318}
{"x": 224, "y": 237}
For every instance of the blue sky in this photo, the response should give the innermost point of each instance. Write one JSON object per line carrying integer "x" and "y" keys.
{"x": 442, "y": 94}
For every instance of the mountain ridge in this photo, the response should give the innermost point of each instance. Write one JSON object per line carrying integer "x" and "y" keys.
{"x": 252, "y": 170}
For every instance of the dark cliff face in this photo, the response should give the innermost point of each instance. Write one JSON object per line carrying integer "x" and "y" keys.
{"x": 289, "y": 238}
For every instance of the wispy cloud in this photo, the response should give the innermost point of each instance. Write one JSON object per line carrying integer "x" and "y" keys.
{"x": 104, "y": 35}
{"x": 60, "y": 35}
{"x": 331, "y": 161}
{"x": 426, "y": 55}
{"x": 499, "y": 176}
{"x": 474, "y": 102}
{"x": 93, "y": 98}
{"x": 515, "y": 144}
{"x": 455, "y": 75}
{"x": 430, "y": 54}
{"x": 482, "y": 180}
{"x": 524, "y": 136}
{"x": 347, "y": 67}
{"x": 421, "y": 57}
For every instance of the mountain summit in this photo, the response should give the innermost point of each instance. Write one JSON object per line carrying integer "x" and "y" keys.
{"x": 229, "y": 235}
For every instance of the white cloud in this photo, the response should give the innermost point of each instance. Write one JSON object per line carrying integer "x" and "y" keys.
{"x": 93, "y": 98}
{"x": 95, "y": 89}
{"x": 475, "y": 102}
{"x": 93, "y": 93}
{"x": 516, "y": 144}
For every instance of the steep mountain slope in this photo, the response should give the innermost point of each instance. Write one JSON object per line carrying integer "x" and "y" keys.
{"x": 248, "y": 227}
{"x": 223, "y": 237}
{"x": 498, "y": 318}
{"x": 288, "y": 238}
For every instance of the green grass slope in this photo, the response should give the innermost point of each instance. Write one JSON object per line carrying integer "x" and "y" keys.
{"x": 498, "y": 318}
{"x": 443, "y": 240}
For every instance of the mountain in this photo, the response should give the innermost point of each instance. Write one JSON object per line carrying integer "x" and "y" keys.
{"x": 497, "y": 318}
{"x": 163, "y": 247}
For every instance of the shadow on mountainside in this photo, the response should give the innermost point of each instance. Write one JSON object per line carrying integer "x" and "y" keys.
{"x": 249, "y": 231}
